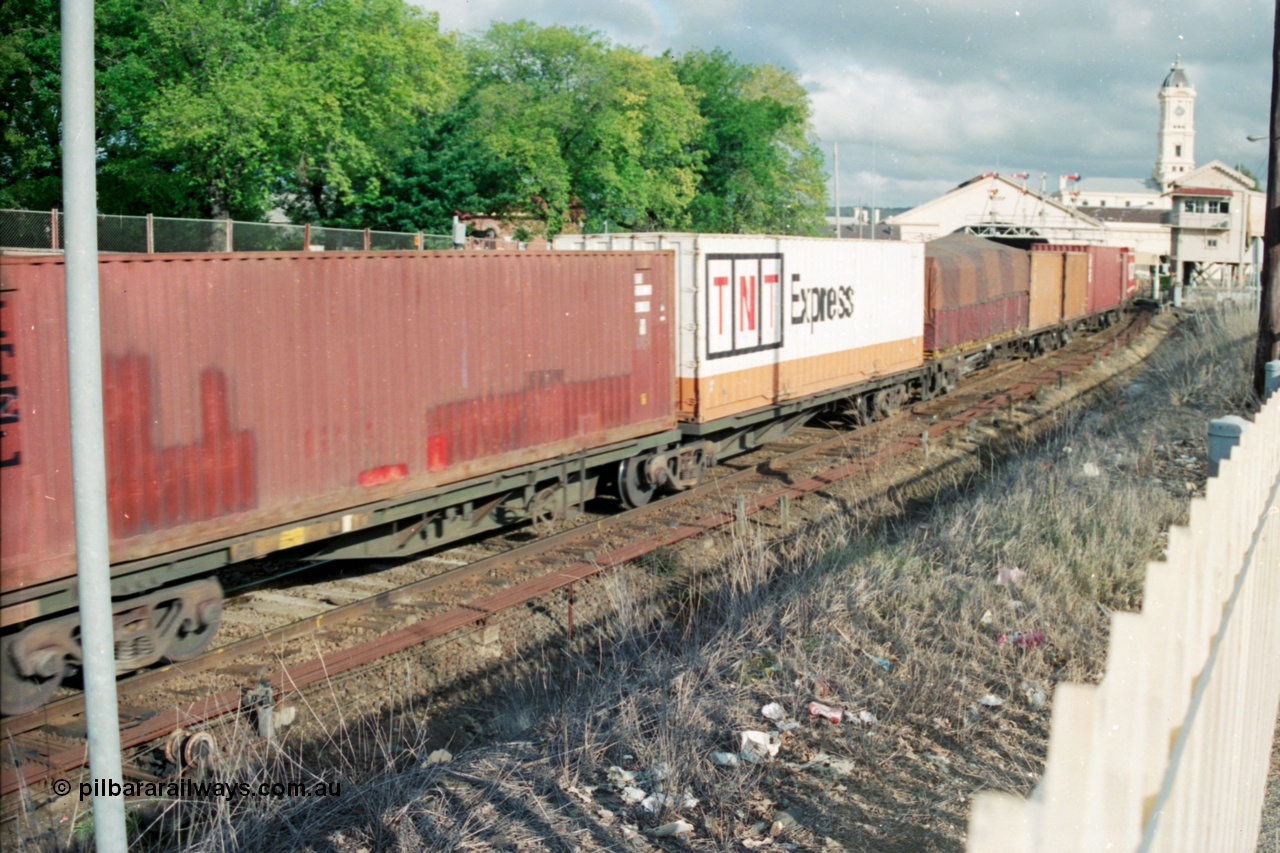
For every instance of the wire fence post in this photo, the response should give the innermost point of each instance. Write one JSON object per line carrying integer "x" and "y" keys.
{"x": 53, "y": 229}
{"x": 151, "y": 235}
{"x": 230, "y": 246}
{"x": 88, "y": 446}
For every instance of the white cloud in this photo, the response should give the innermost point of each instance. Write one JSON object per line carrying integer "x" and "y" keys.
{"x": 949, "y": 88}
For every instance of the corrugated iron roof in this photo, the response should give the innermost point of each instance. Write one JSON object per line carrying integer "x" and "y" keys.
{"x": 1145, "y": 215}
{"x": 1213, "y": 191}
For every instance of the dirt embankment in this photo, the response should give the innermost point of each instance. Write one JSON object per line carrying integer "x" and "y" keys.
{"x": 936, "y": 607}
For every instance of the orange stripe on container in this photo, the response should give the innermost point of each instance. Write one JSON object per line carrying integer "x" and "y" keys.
{"x": 708, "y": 398}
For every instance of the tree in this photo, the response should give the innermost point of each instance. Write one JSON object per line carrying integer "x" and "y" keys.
{"x": 224, "y": 107}
{"x": 582, "y": 123}
{"x": 761, "y": 170}
{"x": 30, "y": 153}
{"x": 1248, "y": 173}
{"x": 449, "y": 168}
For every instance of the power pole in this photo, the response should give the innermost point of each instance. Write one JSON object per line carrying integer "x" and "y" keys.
{"x": 835, "y": 156}
{"x": 88, "y": 466}
{"x": 1269, "y": 315}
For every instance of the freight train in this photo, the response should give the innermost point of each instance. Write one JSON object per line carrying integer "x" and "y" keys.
{"x": 379, "y": 404}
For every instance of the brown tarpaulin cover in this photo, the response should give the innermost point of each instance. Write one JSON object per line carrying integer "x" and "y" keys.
{"x": 975, "y": 290}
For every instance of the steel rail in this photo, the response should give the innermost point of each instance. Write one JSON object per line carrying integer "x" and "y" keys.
{"x": 301, "y": 675}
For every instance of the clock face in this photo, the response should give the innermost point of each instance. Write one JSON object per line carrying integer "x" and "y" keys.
{"x": 1179, "y": 111}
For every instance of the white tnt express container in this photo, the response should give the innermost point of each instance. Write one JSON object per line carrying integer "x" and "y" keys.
{"x": 765, "y": 320}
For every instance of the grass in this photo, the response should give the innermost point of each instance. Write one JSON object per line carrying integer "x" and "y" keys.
{"x": 657, "y": 688}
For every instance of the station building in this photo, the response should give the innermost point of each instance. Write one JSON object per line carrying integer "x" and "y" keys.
{"x": 1200, "y": 225}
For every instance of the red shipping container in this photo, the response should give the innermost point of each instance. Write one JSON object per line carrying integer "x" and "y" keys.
{"x": 247, "y": 391}
{"x": 976, "y": 290}
{"x": 1111, "y": 278}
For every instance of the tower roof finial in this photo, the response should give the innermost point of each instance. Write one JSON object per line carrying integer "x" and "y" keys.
{"x": 1176, "y": 76}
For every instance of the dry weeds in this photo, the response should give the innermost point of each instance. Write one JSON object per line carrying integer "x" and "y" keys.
{"x": 894, "y": 612}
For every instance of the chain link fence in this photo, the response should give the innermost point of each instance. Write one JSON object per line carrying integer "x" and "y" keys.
{"x": 41, "y": 231}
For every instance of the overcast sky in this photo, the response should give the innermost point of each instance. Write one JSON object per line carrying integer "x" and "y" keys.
{"x": 921, "y": 96}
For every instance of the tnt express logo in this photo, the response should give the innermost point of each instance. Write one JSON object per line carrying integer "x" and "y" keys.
{"x": 819, "y": 304}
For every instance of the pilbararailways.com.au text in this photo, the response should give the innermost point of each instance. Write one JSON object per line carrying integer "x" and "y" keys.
{"x": 188, "y": 789}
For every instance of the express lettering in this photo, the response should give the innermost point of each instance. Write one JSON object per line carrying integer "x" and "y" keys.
{"x": 8, "y": 401}
{"x": 818, "y": 304}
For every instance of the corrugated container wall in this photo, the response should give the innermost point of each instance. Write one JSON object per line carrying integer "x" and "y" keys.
{"x": 1112, "y": 280}
{"x": 976, "y": 290}
{"x": 245, "y": 391}
{"x": 764, "y": 320}
{"x": 1075, "y": 277}
{"x": 1047, "y": 270}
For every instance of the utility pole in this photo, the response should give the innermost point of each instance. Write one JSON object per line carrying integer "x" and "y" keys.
{"x": 1269, "y": 299}
{"x": 835, "y": 156}
{"x": 88, "y": 446}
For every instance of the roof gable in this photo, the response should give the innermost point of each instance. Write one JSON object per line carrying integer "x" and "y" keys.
{"x": 1216, "y": 174}
{"x": 977, "y": 196}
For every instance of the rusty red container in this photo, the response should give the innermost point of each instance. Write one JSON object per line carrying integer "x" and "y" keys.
{"x": 247, "y": 391}
{"x": 1111, "y": 278}
{"x": 976, "y": 290}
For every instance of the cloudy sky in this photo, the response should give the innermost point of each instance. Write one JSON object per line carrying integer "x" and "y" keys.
{"x": 921, "y": 96}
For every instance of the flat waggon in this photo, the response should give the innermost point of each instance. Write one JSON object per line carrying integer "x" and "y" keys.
{"x": 379, "y": 404}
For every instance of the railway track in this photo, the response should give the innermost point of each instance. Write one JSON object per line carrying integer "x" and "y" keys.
{"x": 164, "y": 706}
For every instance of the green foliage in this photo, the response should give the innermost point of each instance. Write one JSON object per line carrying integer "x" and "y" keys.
{"x": 30, "y": 153}
{"x": 585, "y": 124}
{"x": 216, "y": 107}
{"x": 361, "y": 113}
{"x": 762, "y": 172}
{"x": 1248, "y": 173}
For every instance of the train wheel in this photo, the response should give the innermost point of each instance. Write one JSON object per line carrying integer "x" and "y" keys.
{"x": 634, "y": 488}
{"x": 195, "y": 633}
{"x": 21, "y": 694}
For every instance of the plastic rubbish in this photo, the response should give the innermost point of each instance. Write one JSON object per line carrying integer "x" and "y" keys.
{"x": 620, "y": 778}
{"x": 883, "y": 663}
{"x": 1023, "y": 639}
{"x": 991, "y": 701}
{"x": 829, "y": 712}
{"x": 1091, "y": 470}
{"x": 654, "y": 802}
{"x": 676, "y": 827}
{"x": 759, "y": 746}
{"x": 986, "y": 619}
{"x": 1008, "y": 576}
{"x": 866, "y": 717}
{"x": 1035, "y": 694}
{"x": 725, "y": 759}
{"x": 440, "y": 756}
{"x": 773, "y": 711}
{"x": 632, "y": 795}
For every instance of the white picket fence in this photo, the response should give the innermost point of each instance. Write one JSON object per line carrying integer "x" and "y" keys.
{"x": 1170, "y": 751}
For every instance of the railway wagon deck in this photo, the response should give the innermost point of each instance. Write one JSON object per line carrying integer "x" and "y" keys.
{"x": 247, "y": 392}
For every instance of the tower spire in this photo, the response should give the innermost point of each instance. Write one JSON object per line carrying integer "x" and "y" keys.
{"x": 1175, "y": 137}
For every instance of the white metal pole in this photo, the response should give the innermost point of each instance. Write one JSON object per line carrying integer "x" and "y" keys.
{"x": 88, "y": 463}
{"x": 835, "y": 156}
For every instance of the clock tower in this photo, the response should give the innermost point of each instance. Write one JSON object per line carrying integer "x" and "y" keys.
{"x": 1175, "y": 141}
